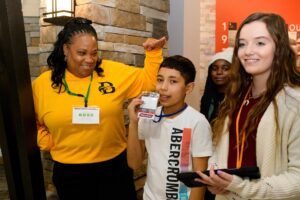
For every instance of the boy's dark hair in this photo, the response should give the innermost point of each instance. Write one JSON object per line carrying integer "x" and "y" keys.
{"x": 181, "y": 64}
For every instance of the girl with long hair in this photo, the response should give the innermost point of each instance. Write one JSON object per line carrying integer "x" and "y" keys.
{"x": 259, "y": 121}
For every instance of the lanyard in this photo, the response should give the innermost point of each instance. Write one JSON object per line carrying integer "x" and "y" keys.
{"x": 161, "y": 115}
{"x": 240, "y": 147}
{"x": 86, "y": 97}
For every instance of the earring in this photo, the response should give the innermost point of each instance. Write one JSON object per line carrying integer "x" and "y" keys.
{"x": 65, "y": 58}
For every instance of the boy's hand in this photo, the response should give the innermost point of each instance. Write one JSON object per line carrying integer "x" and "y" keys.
{"x": 152, "y": 43}
{"x": 133, "y": 109}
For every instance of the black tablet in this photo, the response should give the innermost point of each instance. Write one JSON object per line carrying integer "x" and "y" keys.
{"x": 188, "y": 177}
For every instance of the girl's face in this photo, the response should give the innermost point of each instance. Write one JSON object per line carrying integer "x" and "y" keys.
{"x": 81, "y": 54}
{"x": 220, "y": 72}
{"x": 256, "y": 49}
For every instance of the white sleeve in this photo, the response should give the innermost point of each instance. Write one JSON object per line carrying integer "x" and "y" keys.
{"x": 201, "y": 142}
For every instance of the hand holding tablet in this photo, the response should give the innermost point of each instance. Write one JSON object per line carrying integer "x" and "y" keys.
{"x": 188, "y": 177}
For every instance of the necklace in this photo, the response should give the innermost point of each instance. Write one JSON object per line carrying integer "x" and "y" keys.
{"x": 249, "y": 96}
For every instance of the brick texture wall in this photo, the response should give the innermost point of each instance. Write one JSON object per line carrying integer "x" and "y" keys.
{"x": 122, "y": 26}
{"x": 207, "y": 37}
{"x": 32, "y": 35}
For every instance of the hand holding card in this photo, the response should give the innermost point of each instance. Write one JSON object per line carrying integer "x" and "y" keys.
{"x": 148, "y": 108}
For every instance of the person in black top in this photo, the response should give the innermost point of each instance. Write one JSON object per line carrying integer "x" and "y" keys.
{"x": 215, "y": 86}
{"x": 216, "y": 83}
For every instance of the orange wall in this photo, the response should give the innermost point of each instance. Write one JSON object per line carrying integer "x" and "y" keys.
{"x": 238, "y": 10}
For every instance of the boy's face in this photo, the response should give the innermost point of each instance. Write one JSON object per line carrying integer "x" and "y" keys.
{"x": 172, "y": 89}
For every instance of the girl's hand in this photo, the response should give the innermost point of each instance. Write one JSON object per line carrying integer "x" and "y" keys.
{"x": 152, "y": 43}
{"x": 216, "y": 182}
{"x": 133, "y": 109}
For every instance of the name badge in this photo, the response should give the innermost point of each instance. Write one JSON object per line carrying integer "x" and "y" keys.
{"x": 86, "y": 115}
{"x": 148, "y": 108}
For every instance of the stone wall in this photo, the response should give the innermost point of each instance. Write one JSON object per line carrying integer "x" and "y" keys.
{"x": 122, "y": 26}
{"x": 32, "y": 35}
{"x": 207, "y": 37}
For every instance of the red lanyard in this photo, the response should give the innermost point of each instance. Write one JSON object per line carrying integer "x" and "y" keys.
{"x": 240, "y": 145}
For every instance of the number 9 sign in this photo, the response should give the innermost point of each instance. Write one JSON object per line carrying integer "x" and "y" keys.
{"x": 224, "y": 39}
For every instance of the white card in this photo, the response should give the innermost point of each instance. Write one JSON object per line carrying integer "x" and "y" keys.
{"x": 86, "y": 115}
{"x": 149, "y": 102}
{"x": 148, "y": 108}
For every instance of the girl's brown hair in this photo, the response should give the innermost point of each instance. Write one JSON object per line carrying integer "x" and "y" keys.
{"x": 283, "y": 72}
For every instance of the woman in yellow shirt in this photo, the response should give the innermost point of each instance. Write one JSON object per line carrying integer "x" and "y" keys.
{"x": 79, "y": 109}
